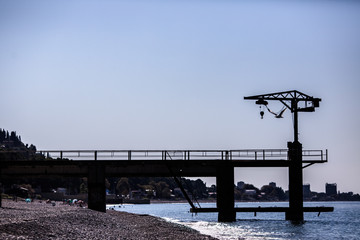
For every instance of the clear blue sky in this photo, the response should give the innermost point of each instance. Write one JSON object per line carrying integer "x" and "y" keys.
{"x": 173, "y": 74}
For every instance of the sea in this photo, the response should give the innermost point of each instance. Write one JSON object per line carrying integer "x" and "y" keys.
{"x": 343, "y": 223}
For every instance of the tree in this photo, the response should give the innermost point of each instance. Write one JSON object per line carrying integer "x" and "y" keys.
{"x": 199, "y": 188}
{"x": 32, "y": 148}
{"x": 2, "y": 135}
{"x": 237, "y": 194}
{"x": 267, "y": 189}
{"x": 123, "y": 187}
{"x": 250, "y": 186}
{"x": 166, "y": 193}
{"x": 279, "y": 193}
{"x": 162, "y": 189}
{"x": 83, "y": 188}
{"x": 13, "y": 136}
{"x": 107, "y": 183}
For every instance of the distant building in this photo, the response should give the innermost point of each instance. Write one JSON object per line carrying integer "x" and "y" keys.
{"x": 306, "y": 190}
{"x": 136, "y": 194}
{"x": 211, "y": 189}
{"x": 212, "y": 194}
{"x": 331, "y": 189}
{"x": 240, "y": 185}
{"x": 250, "y": 192}
{"x": 272, "y": 184}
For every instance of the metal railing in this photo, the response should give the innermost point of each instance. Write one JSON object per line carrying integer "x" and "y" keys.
{"x": 121, "y": 155}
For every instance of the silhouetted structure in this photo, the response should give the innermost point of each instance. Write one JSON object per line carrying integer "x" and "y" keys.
{"x": 306, "y": 190}
{"x": 296, "y": 102}
{"x": 96, "y": 165}
{"x": 240, "y": 185}
{"x": 272, "y": 184}
{"x": 331, "y": 189}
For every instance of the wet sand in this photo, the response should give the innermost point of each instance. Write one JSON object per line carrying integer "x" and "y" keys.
{"x": 20, "y": 220}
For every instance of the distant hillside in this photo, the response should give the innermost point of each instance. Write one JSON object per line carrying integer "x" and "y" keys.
{"x": 13, "y": 149}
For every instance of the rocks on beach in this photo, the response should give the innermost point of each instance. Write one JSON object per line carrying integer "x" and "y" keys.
{"x": 21, "y": 220}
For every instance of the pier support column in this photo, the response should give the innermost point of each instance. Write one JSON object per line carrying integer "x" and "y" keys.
{"x": 96, "y": 188}
{"x": 296, "y": 207}
{"x": 225, "y": 194}
{"x": 1, "y": 191}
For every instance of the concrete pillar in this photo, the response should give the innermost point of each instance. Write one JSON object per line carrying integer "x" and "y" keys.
{"x": 296, "y": 211}
{"x": 225, "y": 194}
{"x": 1, "y": 190}
{"x": 96, "y": 188}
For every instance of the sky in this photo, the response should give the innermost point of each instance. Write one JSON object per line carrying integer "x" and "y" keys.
{"x": 130, "y": 75}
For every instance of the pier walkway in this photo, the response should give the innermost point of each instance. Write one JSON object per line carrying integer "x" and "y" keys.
{"x": 98, "y": 164}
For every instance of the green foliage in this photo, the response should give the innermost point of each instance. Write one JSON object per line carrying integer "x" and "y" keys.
{"x": 13, "y": 149}
{"x": 158, "y": 187}
{"x": 83, "y": 188}
{"x": 273, "y": 193}
{"x": 123, "y": 186}
{"x": 10, "y": 140}
{"x": 107, "y": 183}
{"x": 162, "y": 189}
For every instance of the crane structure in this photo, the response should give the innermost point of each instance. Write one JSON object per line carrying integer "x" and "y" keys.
{"x": 291, "y": 100}
{"x": 296, "y": 102}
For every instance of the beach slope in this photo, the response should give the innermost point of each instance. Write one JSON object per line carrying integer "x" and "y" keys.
{"x": 38, "y": 220}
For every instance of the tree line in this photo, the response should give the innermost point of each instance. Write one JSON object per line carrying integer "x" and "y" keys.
{"x": 13, "y": 149}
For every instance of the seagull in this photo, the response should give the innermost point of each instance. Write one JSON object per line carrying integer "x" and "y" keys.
{"x": 277, "y": 115}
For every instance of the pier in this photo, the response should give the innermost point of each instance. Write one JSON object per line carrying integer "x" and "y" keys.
{"x": 96, "y": 165}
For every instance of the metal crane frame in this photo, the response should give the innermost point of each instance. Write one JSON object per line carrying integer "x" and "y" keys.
{"x": 294, "y": 97}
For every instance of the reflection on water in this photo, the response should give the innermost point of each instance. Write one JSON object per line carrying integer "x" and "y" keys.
{"x": 343, "y": 223}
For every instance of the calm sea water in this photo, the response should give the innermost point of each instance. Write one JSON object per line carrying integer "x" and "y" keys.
{"x": 343, "y": 223}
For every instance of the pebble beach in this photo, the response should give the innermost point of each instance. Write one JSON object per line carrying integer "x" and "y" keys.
{"x": 39, "y": 220}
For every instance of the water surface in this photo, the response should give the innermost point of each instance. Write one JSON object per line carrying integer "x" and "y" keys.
{"x": 343, "y": 223}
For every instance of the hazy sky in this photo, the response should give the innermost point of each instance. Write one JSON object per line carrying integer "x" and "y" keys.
{"x": 173, "y": 74}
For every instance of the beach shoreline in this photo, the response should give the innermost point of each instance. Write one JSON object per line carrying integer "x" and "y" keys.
{"x": 39, "y": 220}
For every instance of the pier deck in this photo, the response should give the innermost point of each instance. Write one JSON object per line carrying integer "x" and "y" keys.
{"x": 264, "y": 209}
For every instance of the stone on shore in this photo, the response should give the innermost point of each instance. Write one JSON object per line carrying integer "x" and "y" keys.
{"x": 20, "y": 220}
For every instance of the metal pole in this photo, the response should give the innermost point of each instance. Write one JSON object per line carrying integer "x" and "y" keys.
{"x": 263, "y": 154}
{"x": 296, "y": 127}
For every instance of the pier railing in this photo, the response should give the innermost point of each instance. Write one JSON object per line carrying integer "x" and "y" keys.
{"x": 245, "y": 155}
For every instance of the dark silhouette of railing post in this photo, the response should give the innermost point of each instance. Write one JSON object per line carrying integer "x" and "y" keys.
{"x": 295, "y": 212}
{"x": 225, "y": 193}
{"x": 96, "y": 187}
